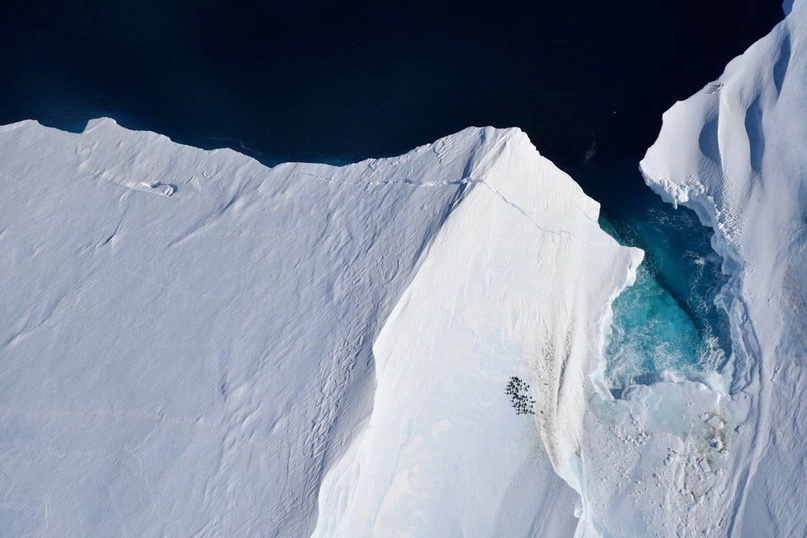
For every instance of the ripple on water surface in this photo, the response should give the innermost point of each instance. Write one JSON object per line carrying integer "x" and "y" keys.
{"x": 666, "y": 325}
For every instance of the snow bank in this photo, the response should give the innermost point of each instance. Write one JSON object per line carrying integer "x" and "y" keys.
{"x": 193, "y": 340}
{"x": 735, "y": 154}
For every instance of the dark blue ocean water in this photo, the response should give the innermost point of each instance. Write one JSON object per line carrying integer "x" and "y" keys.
{"x": 340, "y": 81}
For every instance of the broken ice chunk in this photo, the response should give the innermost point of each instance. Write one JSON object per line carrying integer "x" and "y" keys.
{"x": 163, "y": 189}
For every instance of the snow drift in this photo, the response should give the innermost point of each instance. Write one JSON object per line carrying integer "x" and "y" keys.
{"x": 735, "y": 153}
{"x": 195, "y": 343}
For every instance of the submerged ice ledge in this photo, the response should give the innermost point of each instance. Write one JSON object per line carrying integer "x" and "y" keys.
{"x": 657, "y": 335}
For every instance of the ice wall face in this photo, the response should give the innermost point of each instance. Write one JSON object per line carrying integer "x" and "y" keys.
{"x": 193, "y": 341}
{"x": 735, "y": 154}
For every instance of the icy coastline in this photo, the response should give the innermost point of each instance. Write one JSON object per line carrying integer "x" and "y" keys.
{"x": 201, "y": 344}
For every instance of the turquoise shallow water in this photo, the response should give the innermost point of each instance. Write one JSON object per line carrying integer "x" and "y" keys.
{"x": 666, "y": 325}
{"x": 652, "y": 336}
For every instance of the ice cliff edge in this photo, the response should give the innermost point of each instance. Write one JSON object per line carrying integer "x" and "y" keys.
{"x": 199, "y": 343}
{"x": 734, "y": 153}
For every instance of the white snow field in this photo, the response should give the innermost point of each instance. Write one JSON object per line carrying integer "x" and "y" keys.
{"x": 736, "y": 153}
{"x": 196, "y": 344}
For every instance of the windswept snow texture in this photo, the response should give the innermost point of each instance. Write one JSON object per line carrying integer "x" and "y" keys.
{"x": 195, "y": 343}
{"x": 735, "y": 153}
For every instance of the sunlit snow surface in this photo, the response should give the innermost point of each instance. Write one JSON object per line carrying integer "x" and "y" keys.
{"x": 195, "y": 343}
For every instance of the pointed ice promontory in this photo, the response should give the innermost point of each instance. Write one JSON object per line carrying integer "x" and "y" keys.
{"x": 517, "y": 281}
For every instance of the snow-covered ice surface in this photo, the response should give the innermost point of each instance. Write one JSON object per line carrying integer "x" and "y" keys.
{"x": 736, "y": 153}
{"x": 517, "y": 282}
{"x": 195, "y": 343}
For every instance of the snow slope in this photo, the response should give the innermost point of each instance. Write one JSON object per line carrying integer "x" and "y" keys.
{"x": 735, "y": 153}
{"x": 195, "y": 343}
{"x": 518, "y": 278}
